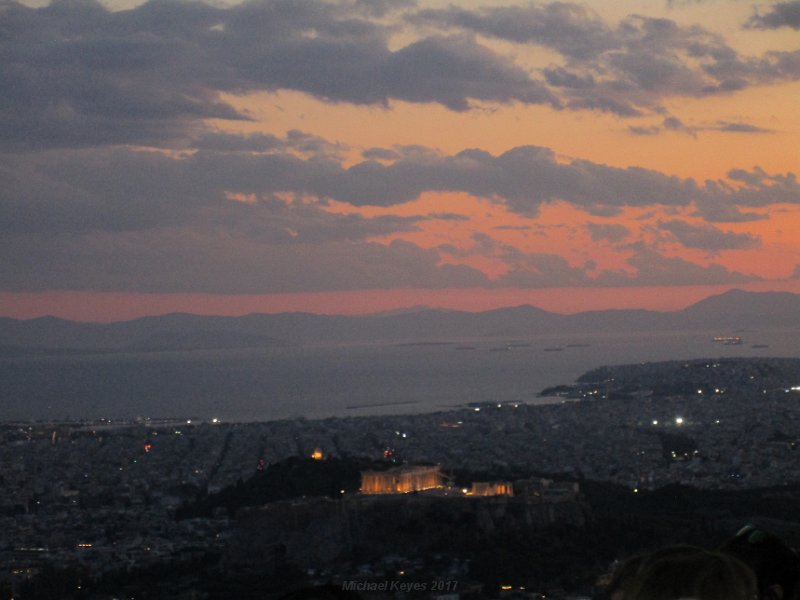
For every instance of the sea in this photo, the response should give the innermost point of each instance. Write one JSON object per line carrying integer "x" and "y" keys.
{"x": 328, "y": 380}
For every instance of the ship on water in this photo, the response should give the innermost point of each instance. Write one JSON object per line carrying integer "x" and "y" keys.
{"x": 728, "y": 340}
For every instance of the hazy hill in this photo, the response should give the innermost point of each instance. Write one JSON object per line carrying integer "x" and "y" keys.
{"x": 732, "y": 311}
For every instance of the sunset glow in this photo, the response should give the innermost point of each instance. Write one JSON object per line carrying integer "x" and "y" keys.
{"x": 352, "y": 156}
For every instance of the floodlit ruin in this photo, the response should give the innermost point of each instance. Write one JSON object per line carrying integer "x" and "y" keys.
{"x": 402, "y": 480}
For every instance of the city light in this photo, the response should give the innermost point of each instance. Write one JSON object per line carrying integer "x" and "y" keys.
{"x": 679, "y": 420}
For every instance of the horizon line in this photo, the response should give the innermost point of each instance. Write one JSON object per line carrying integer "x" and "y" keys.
{"x": 218, "y": 305}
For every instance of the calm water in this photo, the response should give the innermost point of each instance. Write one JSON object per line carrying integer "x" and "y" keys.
{"x": 324, "y": 381}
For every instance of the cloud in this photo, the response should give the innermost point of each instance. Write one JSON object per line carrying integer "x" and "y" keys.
{"x": 675, "y": 124}
{"x": 380, "y": 8}
{"x": 121, "y": 189}
{"x": 523, "y": 178}
{"x": 780, "y": 14}
{"x": 381, "y": 154}
{"x": 611, "y": 232}
{"x": 761, "y": 188}
{"x": 629, "y": 68}
{"x": 453, "y": 217}
{"x": 644, "y": 130}
{"x": 647, "y": 267}
{"x": 720, "y": 210}
{"x": 513, "y": 227}
{"x": 453, "y": 70}
{"x": 214, "y": 260}
{"x": 539, "y": 270}
{"x": 218, "y": 141}
{"x": 707, "y": 237}
{"x": 653, "y": 268}
{"x": 77, "y": 74}
{"x": 571, "y": 29}
{"x": 738, "y": 127}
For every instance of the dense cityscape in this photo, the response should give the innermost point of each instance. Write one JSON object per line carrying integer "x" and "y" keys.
{"x": 90, "y": 503}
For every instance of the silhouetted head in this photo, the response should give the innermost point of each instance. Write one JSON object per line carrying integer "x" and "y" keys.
{"x": 686, "y": 572}
{"x": 776, "y": 565}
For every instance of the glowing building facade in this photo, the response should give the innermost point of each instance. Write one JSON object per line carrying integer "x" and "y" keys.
{"x": 401, "y": 480}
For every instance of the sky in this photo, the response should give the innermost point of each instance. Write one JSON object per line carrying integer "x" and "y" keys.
{"x": 351, "y": 156}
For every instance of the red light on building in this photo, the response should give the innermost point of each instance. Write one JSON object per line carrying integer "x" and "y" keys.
{"x": 148, "y": 447}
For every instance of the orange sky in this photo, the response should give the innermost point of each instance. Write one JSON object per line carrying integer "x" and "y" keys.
{"x": 664, "y": 169}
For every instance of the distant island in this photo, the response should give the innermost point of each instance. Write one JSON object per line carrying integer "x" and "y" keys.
{"x": 722, "y": 316}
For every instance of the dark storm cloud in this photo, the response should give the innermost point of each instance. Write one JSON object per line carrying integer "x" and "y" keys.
{"x": 780, "y": 14}
{"x": 707, "y": 237}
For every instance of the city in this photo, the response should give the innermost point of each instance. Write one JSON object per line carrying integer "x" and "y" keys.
{"x": 99, "y": 498}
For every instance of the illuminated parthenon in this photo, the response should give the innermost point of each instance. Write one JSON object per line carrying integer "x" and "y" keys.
{"x": 401, "y": 480}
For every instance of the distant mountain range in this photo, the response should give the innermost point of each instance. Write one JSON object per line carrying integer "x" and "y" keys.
{"x": 726, "y": 313}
